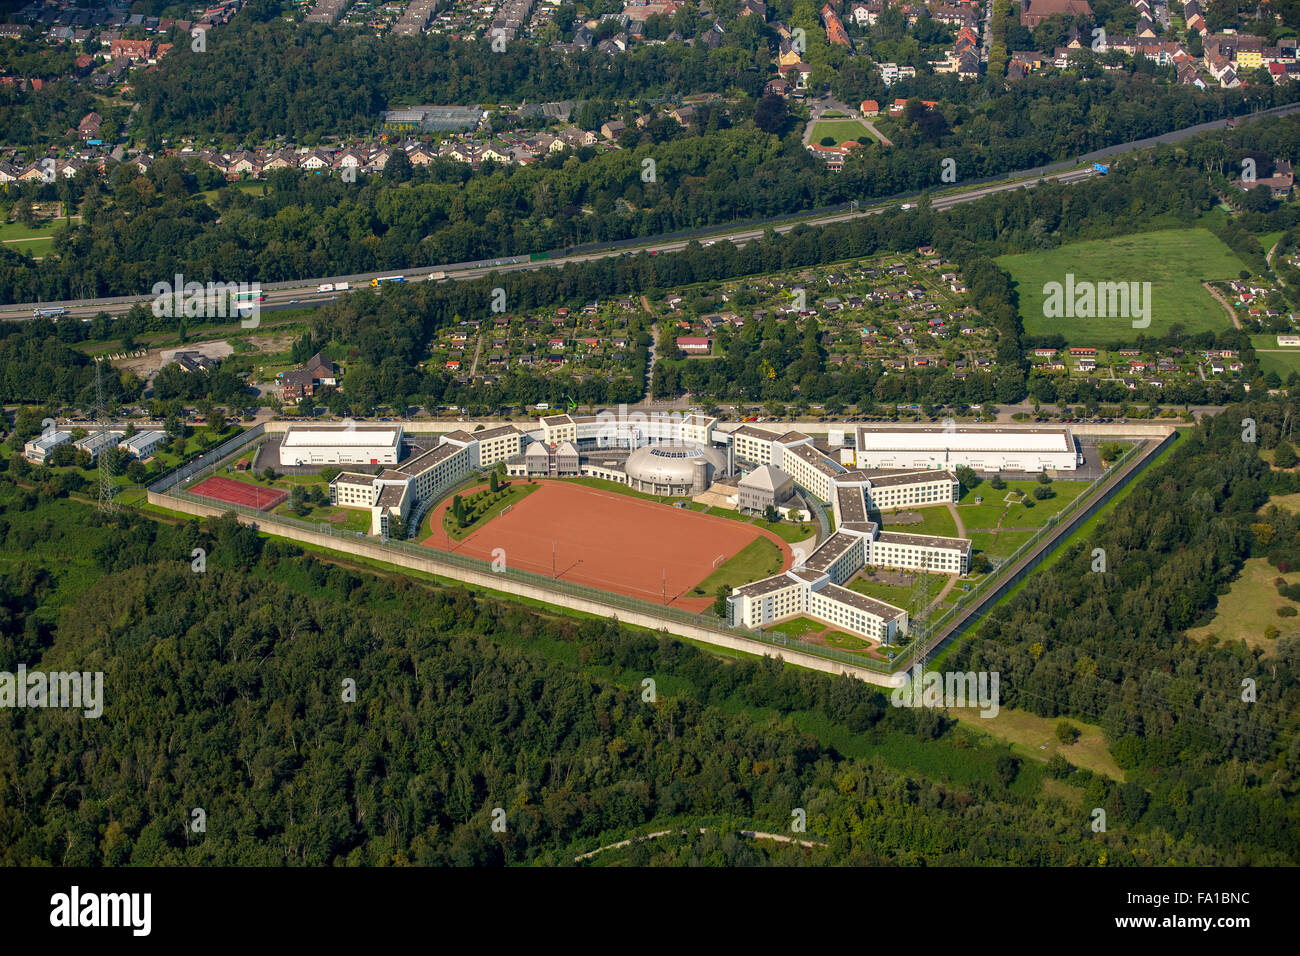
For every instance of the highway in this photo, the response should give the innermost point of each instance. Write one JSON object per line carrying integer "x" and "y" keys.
{"x": 282, "y": 295}
{"x": 298, "y": 292}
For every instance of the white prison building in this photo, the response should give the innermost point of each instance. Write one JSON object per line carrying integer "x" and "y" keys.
{"x": 917, "y": 447}
{"x": 341, "y": 445}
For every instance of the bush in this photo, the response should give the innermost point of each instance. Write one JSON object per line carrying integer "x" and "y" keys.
{"x": 1059, "y": 767}
{"x": 1286, "y": 611}
{"x": 1284, "y": 456}
{"x": 997, "y": 483}
{"x": 1271, "y": 632}
{"x": 827, "y": 141}
{"x": 1066, "y": 732}
{"x": 1042, "y": 493}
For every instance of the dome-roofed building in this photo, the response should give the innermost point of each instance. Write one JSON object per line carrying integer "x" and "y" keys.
{"x": 679, "y": 469}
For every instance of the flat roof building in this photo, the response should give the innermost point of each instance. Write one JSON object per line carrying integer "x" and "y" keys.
{"x": 983, "y": 449}
{"x": 341, "y": 445}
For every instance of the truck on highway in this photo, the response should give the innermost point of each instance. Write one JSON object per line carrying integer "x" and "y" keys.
{"x": 380, "y": 281}
{"x": 341, "y": 287}
{"x": 325, "y": 287}
{"x": 437, "y": 276}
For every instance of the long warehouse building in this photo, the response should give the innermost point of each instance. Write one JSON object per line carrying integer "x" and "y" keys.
{"x": 916, "y": 447}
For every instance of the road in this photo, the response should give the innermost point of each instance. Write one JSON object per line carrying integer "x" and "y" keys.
{"x": 281, "y": 295}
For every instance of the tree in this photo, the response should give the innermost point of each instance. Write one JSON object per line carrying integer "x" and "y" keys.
{"x": 720, "y": 600}
{"x": 1284, "y": 455}
{"x": 492, "y": 482}
{"x": 458, "y": 510}
{"x": 268, "y": 473}
{"x": 997, "y": 483}
{"x": 1044, "y": 478}
{"x": 1066, "y": 732}
{"x": 771, "y": 514}
{"x": 967, "y": 477}
{"x": 770, "y": 114}
{"x": 1042, "y": 493}
{"x": 1006, "y": 767}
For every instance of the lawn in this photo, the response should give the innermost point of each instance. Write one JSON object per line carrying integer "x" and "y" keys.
{"x": 604, "y": 485}
{"x": 841, "y": 130}
{"x": 1035, "y": 737}
{"x": 848, "y": 642}
{"x": 789, "y": 532}
{"x": 985, "y": 516}
{"x": 1250, "y": 606}
{"x": 1174, "y": 261}
{"x": 354, "y": 519}
{"x": 798, "y": 627}
{"x": 1284, "y": 363}
{"x": 758, "y": 559}
{"x": 898, "y": 595}
{"x": 937, "y": 520}
{"x": 24, "y": 240}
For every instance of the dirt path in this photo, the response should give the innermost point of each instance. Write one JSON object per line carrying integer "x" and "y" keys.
{"x": 1232, "y": 313}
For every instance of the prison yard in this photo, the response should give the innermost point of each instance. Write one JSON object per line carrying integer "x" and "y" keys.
{"x": 1176, "y": 262}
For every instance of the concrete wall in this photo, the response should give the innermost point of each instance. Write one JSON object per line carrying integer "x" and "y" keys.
{"x": 486, "y": 579}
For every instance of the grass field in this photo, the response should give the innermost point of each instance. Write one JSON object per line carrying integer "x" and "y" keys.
{"x": 1284, "y": 363}
{"x": 1174, "y": 261}
{"x": 1035, "y": 737}
{"x": 785, "y": 530}
{"x": 841, "y": 130}
{"x": 758, "y": 559}
{"x": 848, "y": 642}
{"x": 1250, "y": 606}
{"x": 937, "y": 520}
{"x": 896, "y": 594}
{"x": 799, "y": 626}
{"x": 35, "y": 241}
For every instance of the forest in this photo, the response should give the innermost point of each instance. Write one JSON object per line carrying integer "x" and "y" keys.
{"x": 223, "y": 691}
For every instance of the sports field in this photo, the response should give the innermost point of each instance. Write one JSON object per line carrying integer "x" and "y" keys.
{"x": 610, "y": 541}
{"x": 1174, "y": 261}
{"x": 239, "y": 493}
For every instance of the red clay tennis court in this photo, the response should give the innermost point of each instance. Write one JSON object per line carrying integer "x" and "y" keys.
{"x": 610, "y": 541}
{"x": 239, "y": 493}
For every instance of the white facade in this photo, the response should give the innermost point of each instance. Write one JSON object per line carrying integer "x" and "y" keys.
{"x": 142, "y": 444}
{"x": 806, "y": 592}
{"x": 915, "y": 490}
{"x": 624, "y": 429}
{"x": 341, "y": 445}
{"x": 983, "y": 449}
{"x": 38, "y": 449}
